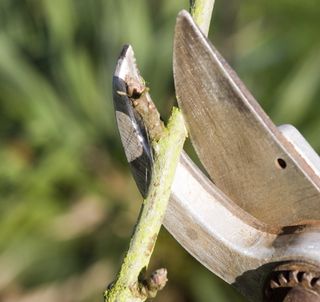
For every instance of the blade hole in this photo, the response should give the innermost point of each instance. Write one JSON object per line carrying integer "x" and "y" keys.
{"x": 281, "y": 163}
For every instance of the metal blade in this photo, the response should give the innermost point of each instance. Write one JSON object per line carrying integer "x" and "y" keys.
{"x": 131, "y": 128}
{"x": 228, "y": 241}
{"x": 246, "y": 156}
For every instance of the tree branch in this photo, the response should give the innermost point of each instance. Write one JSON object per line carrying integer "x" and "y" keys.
{"x": 201, "y": 11}
{"x": 131, "y": 283}
{"x": 127, "y": 286}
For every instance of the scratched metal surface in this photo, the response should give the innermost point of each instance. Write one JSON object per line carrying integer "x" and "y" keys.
{"x": 228, "y": 241}
{"x": 235, "y": 140}
{"x": 131, "y": 128}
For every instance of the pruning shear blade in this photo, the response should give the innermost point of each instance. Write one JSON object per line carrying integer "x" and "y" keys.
{"x": 244, "y": 153}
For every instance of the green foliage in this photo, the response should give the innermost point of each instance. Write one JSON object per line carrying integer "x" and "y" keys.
{"x": 68, "y": 202}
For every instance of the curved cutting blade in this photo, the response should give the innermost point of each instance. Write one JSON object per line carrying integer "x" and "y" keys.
{"x": 246, "y": 156}
{"x": 133, "y": 134}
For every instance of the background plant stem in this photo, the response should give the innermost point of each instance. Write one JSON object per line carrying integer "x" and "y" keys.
{"x": 201, "y": 11}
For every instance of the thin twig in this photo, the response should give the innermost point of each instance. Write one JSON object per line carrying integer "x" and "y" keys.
{"x": 127, "y": 286}
{"x": 201, "y": 11}
{"x": 131, "y": 285}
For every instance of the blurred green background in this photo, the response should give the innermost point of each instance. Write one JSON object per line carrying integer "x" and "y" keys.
{"x": 68, "y": 201}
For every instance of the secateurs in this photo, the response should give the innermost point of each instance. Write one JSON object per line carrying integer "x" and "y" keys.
{"x": 255, "y": 223}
